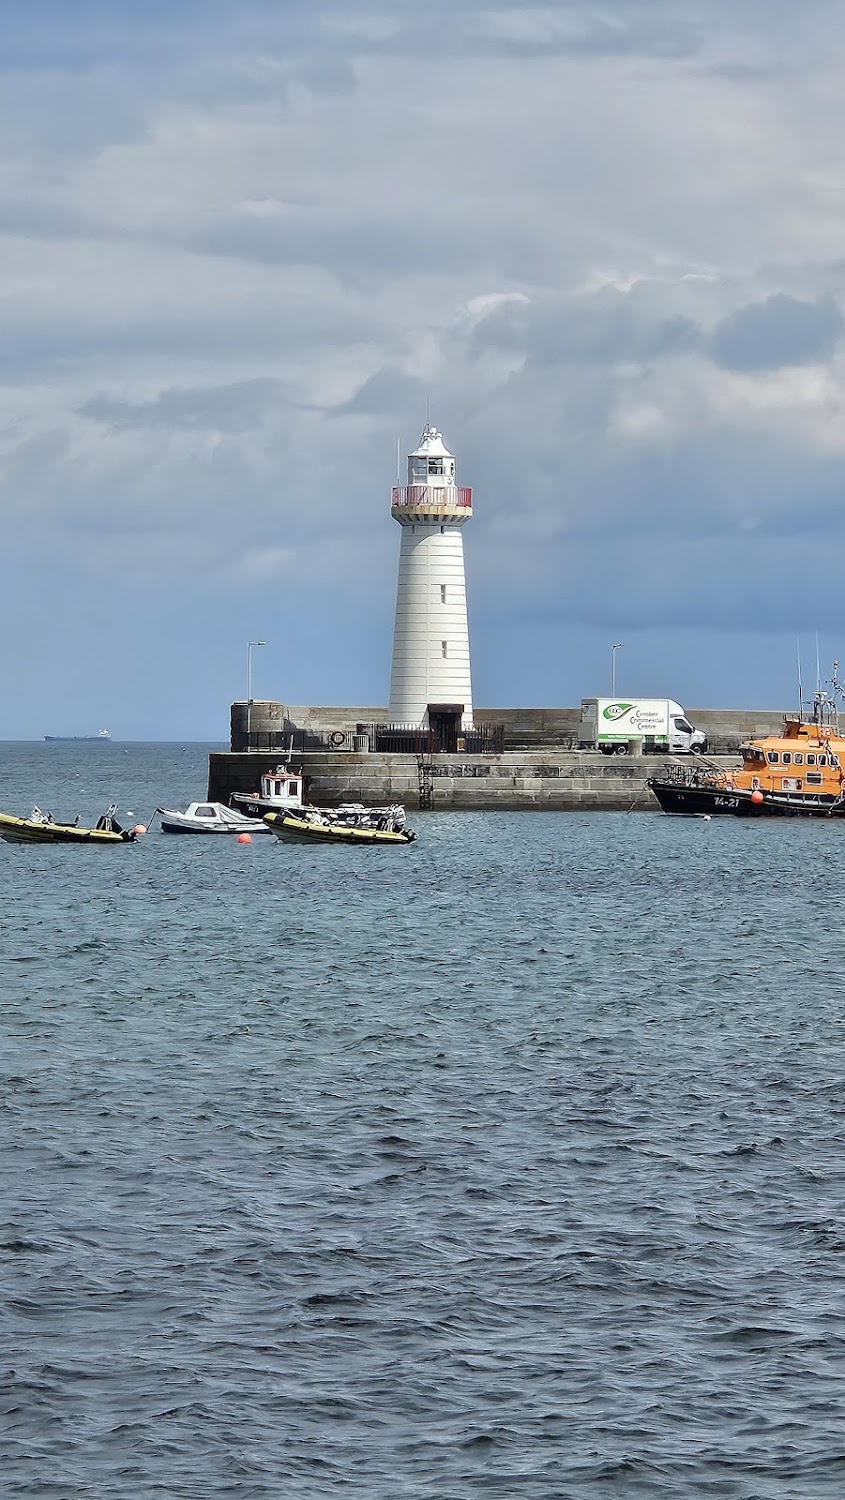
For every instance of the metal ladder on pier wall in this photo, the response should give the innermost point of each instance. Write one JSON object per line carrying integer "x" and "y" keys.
{"x": 425, "y": 774}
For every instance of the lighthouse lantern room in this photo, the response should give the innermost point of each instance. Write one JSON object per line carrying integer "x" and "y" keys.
{"x": 430, "y": 682}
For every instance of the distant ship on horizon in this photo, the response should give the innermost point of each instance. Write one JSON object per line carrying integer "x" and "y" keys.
{"x": 77, "y": 739}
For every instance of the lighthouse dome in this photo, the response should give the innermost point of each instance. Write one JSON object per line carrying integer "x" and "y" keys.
{"x": 431, "y": 444}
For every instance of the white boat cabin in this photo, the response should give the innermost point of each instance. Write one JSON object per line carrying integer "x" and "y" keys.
{"x": 282, "y": 786}
{"x": 281, "y": 789}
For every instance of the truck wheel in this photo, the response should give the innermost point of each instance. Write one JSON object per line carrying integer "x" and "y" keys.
{"x": 621, "y": 749}
{"x": 607, "y": 749}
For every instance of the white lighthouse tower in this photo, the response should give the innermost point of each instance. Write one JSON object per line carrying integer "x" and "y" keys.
{"x": 430, "y": 683}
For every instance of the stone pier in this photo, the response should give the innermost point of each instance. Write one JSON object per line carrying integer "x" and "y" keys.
{"x": 564, "y": 781}
{"x": 541, "y": 766}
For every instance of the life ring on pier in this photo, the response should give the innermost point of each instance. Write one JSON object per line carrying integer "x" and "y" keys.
{"x": 337, "y": 737}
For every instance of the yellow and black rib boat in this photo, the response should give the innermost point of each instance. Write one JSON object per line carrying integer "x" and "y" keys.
{"x": 313, "y": 826}
{"x": 42, "y": 828}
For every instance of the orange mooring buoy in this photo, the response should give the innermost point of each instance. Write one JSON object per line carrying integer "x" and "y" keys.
{"x": 244, "y": 838}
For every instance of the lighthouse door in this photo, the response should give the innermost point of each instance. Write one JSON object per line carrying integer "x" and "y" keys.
{"x": 445, "y": 723}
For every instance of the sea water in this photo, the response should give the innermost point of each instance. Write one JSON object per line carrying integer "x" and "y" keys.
{"x": 506, "y": 1163}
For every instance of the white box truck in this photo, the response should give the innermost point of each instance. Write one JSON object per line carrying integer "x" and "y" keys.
{"x": 609, "y": 724}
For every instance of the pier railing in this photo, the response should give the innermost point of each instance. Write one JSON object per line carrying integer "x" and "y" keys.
{"x": 384, "y": 739}
{"x": 409, "y": 739}
{"x": 406, "y": 739}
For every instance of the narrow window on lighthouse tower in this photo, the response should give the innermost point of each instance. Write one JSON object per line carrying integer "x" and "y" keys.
{"x": 444, "y": 648}
{"x": 442, "y": 593}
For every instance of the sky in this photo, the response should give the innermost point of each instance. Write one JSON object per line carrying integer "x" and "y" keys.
{"x": 242, "y": 246}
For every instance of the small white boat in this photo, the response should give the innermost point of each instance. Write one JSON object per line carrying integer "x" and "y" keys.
{"x": 282, "y": 790}
{"x": 207, "y": 817}
{"x": 283, "y": 793}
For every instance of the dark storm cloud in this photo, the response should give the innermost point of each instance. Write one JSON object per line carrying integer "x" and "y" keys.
{"x": 781, "y": 330}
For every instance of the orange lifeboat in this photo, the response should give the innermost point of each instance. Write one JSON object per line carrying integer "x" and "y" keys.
{"x": 799, "y": 773}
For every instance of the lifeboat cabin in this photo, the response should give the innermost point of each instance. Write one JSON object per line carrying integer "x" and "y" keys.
{"x": 807, "y": 759}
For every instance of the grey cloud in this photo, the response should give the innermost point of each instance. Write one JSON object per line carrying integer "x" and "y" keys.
{"x": 228, "y": 328}
{"x": 389, "y": 392}
{"x": 225, "y": 408}
{"x": 637, "y": 30}
{"x": 600, "y": 329}
{"x": 644, "y": 27}
{"x": 578, "y": 28}
{"x": 90, "y": 35}
{"x": 696, "y": 535}
{"x": 781, "y": 330}
{"x": 46, "y": 218}
{"x": 360, "y": 247}
{"x": 94, "y": 33}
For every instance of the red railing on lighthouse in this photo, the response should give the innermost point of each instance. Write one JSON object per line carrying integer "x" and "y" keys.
{"x": 435, "y": 496}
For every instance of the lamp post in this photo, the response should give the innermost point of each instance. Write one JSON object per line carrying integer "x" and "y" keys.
{"x": 613, "y": 650}
{"x": 249, "y": 647}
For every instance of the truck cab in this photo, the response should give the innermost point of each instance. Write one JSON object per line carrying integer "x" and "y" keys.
{"x": 684, "y": 738}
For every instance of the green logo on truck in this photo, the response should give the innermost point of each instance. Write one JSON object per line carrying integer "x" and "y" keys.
{"x": 615, "y": 710}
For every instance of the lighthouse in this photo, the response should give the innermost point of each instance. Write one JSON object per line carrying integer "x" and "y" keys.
{"x": 430, "y": 683}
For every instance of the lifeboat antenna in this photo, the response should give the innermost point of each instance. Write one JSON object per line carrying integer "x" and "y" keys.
{"x": 836, "y": 694}
{"x": 819, "y": 707}
{"x": 800, "y": 689}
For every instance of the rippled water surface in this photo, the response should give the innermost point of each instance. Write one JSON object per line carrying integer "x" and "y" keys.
{"x": 509, "y": 1163}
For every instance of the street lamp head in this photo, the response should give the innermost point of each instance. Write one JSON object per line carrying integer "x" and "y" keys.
{"x": 249, "y": 646}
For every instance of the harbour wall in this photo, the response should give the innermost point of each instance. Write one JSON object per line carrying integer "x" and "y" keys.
{"x": 564, "y": 781}
{"x": 541, "y": 766}
{"x": 725, "y": 728}
{"x": 524, "y": 728}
